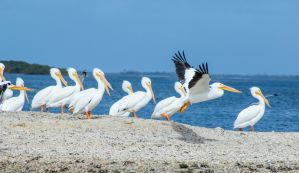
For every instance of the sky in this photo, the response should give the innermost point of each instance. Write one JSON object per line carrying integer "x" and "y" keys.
{"x": 234, "y": 37}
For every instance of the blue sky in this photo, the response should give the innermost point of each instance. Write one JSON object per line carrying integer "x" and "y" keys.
{"x": 235, "y": 37}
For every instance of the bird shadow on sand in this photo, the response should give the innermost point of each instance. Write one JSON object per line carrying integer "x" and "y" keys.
{"x": 188, "y": 135}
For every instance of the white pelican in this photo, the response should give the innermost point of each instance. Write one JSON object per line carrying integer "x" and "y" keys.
{"x": 61, "y": 97}
{"x": 135, "y": 101}
{"x": 196, "y": 81}
{"x": 251, "y": 115}
{"x": 169, "y": 106}
{"x": 41, "y": 98}
{"x": 88, "y": 99}
{"x": 8, "y": 93}
{"x": 114, "y": 110}
{"x": 16, "y": 104}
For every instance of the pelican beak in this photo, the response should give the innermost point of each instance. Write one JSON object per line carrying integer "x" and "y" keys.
{"x": 20, "y": 88}
{"x": 130, "y": 89}
{"x": 152, "y": 92}
{"x": 79, "y": 81}
{"x": 264, "y": 98}
{"x": 59, "y": 75}
{"x": 230, "y": 89}
{"x": 183, "y": 91}
{"x": 1, "y": 74}
{"x": 106, "y": 83}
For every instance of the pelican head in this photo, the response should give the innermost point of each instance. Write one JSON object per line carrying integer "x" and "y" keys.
{"x": 56, "y": 74}
{"x": 75, "y": 77}
{"x": 221, "y": 88}
{"x": 2, "y": 68}
{"x": 257, "y": 93}
{"x": 100, "y": 76}
{"x": 147, "y": 85}
{"x": 179, "y": 88}
{"x": 127, "y": 87}
{"x": 20, "y": 85}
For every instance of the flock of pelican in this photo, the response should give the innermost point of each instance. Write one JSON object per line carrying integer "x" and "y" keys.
{"x": 193, "y": 87}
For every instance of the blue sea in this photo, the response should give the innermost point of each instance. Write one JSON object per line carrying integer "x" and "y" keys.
{"x": 283, "y": 117}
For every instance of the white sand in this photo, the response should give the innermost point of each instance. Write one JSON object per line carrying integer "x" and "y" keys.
{"x": 41, "y": 142}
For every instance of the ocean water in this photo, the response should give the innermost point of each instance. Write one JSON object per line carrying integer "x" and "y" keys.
{"x": 283, "y": 117}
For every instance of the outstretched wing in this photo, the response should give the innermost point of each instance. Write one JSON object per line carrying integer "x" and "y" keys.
{"x": 195, "y": 80}
{"x": 181, "y": 65}
{"x": 200, "y": 81}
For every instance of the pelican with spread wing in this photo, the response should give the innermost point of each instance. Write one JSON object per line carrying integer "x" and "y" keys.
{"x": 197, "y": 81}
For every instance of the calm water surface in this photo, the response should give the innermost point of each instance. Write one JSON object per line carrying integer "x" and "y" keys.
{"x": 217, "y": 113}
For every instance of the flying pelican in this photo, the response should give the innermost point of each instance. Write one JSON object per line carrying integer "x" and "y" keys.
{"x": 169, "y": 106}
{"x": 62, "y": 97}
{"x": 16, "y": 104}
{"x": 8, "y": 93}
{"x": 87, "y": 100}
{"x": 196, "y": 81}
{"x": 114, "y": 110}
{"x": 251, "y": 115}
{"x": 135, "y": 101}
{"x": 41, "y": 98}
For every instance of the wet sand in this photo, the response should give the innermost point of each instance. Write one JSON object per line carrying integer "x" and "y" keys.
{"x": 43, "y": 142}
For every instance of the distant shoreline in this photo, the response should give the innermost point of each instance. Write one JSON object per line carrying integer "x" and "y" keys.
{"x": 22, "y": 67}
{"x": 168, "y": 73}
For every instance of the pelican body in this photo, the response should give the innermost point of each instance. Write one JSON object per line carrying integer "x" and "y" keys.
{"x": 62, "y": 97}
{"x": 41, "y": 98}
{"x": 169, "y": 106}
{"x": 8, "y": 92}
{"x": 252, "y": 114}
{"x": 16, "y": 104}
{"x": 137, "y": 100}
{"x": 87, "y": 100}
{"x": 196, "y": 81}
{"x": 114, "y": 109}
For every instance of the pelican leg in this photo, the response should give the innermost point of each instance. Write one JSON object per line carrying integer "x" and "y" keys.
{"x": 42, "y": 108}
{"x": 252, "y": 128}
{"x": 134, "y": 114}
{"x": 88, "y": 114}
{"x": 166, "y": 116}
{"x": 240, "y": 129}
{"x": 184, "y": 107}
{"x": 62, "y": 109}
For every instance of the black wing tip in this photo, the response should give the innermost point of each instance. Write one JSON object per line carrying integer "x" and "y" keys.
{"x": 180, "y": 58}
{"x": 203, "y": 68}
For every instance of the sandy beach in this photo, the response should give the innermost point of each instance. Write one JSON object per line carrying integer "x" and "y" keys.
{"x": 43, "y": 142}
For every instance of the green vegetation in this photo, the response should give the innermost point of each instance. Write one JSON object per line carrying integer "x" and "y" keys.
{"x": 26, "y": 68}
